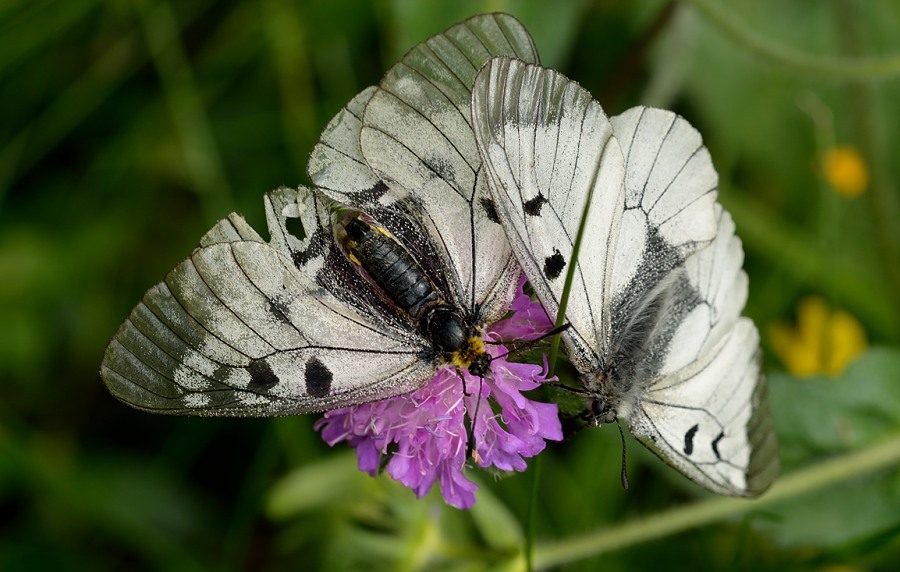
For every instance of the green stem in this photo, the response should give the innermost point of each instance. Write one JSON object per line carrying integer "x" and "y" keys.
{"x": 531, "y": 519}
{"x": 832, "y": 67}
{"x": 837, "y": 470}
{"x": 570, "y": 273}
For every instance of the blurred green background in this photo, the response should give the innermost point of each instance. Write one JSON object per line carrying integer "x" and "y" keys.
{"x": 129, "y": 127}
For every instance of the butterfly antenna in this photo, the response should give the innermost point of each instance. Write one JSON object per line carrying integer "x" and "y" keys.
{"x": 516, "y": 346}
{"x": 624, "y": 471}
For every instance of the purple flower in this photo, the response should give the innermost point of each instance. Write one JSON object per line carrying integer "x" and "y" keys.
{"x": 423, "y": 434}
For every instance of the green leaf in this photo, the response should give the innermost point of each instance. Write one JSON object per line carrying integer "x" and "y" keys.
{"x": 330, "y": 482}
{"x": 819, "y": 417}
{"x": 822, "y": 415}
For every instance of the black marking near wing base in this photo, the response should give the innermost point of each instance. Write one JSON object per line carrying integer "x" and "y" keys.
{"x": 649, "y": 310}
{"x": 280, "y": 310}
{"x": 318, "y": 378}
{"x": 490, "y": 210}
{"x": 554, "y": 264}
{"x": 368, "y": 196}
{"x": 318, "y": 244}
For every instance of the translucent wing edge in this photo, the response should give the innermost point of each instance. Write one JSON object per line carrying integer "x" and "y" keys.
{"x": 762, "y": 467}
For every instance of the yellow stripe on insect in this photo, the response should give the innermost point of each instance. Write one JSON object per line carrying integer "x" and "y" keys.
{"x": 464, "y": 356}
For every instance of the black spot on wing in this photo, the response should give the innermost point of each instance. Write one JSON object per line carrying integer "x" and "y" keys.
{"x": 318, "y": 378}
{"x": 490, "y": 210}
{"x": 554, "y": 264}
{"x": 689, "y": 439}
{"x": 532, "y": 207}
{"x": 715, "y": 445}
{"x": 261, "y": 375}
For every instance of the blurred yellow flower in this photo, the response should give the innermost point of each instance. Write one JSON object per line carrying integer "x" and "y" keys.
{"x": 845, "y": 170}
{"x": 824, "y": 340}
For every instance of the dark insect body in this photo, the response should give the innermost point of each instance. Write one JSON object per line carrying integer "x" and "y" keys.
{"x": 403, "y": 282}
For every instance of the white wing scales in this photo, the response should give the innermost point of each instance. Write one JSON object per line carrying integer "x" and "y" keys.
{"x": 716, "y": 275}
{"x": 711, "y": 421}
{"x": 669, "y": 175}
{"x": 705, "y": 411}
{"x": 689, "y": 418}
{"x": 548, "y": 149}
{"x": 336, "y": 164}
{"x": 231, "y": 229}
{"x": 410, "y": 140}
{"x": 670, "y": 189}
{"x": 658, "y": 287}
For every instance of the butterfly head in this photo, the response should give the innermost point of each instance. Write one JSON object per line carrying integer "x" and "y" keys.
{"x": 608, "y": 395}
{"x": 481, "y": 362}
{"x": 472, "y": 356}
{"x": 602, "y": 411}
{"x": 459, "y": 344}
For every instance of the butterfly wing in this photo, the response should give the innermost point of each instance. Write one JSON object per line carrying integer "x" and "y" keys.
{"x": 338, "y": 168}
{"x": 549, "y": 152}
{"x": 414, "y": 134}
{"x": 650, "y": 296}
{"x": 706, "y": 412}
{"x": 700, "y": 400}
{"x": 669, "y": 213}
{"x": 248, "y": 328}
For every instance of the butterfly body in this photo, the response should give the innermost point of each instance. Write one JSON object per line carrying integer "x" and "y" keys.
{"x": 391, "y": 268}
{"x": 453, "y": 334}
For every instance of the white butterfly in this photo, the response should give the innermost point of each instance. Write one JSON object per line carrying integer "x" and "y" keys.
{"x": 246, "y": 327}
{"x": 657, "y": 290}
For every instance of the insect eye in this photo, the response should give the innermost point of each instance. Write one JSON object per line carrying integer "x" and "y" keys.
{"x": 481, "y": 365}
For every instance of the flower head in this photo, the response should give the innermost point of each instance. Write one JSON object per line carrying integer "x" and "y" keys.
{"x": 424, "y": 434}
{"x": 845, "y": 170}
{"x": 824, "y": 340}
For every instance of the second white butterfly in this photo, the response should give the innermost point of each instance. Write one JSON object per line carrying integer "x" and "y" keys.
{"x": 624, "y": 210}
